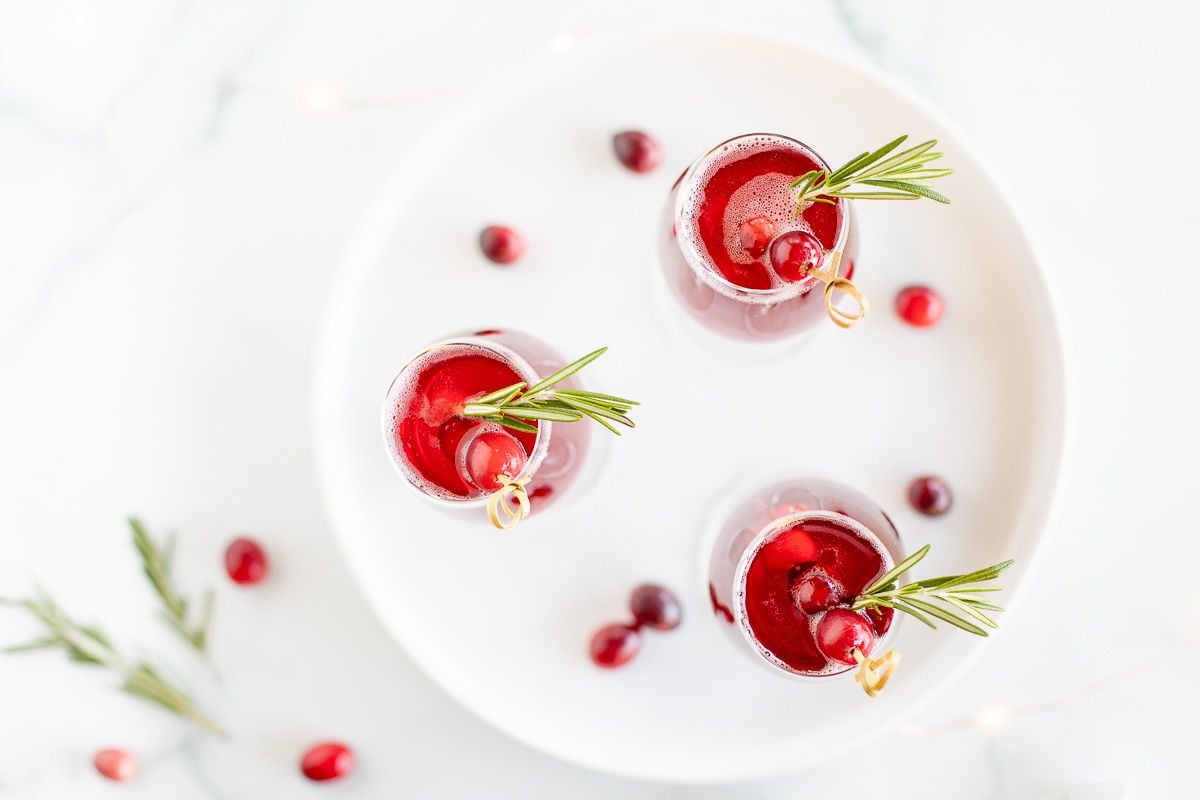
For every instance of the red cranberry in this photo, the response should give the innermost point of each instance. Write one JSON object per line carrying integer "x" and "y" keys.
{"x": 492, "y": 454}
{"x": 755, "y": 234}
{"x": 637, "y": 150}
{"x": 613, "y": 645}
{"x": 245, "y": 561}
{"x": 919, "y": 306}
{"x": 327, "y": 761}
{"x": 930, "y": 495}
{"x": 842, "y": 631}
{"x": 881, "y": 619}
{"x": 794, "y": 254}
{"x": 816, "y": 593}
{"x": 655, "y": 607}
{"x": 116, "y": 764}
{"x": 500, "y": 244}
{"x": 790, "y": 548}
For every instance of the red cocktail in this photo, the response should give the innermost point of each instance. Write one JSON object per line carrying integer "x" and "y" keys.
{"x": 460, "y": 461}
{"x": 736, "y": 254}
{"x": 786, "y": 567}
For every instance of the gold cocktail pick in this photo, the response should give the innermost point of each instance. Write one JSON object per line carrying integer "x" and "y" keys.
{"x": 874, "y": 673}
{"x": 500, "y": 508}
{"x": 834, "y": 283}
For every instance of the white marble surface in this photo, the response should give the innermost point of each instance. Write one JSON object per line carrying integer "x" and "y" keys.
{"x": 178, "y": 180}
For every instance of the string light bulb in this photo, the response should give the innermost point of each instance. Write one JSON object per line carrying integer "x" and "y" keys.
{"x": 992, "y": 718}
{"x": 323, "y": 97}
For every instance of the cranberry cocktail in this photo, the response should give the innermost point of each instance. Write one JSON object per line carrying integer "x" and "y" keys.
{"x": 458, "y": 460}
{"x": 735, "y": 252}
{"x": 805, "y": 575}
{"x": 787, "y": 566}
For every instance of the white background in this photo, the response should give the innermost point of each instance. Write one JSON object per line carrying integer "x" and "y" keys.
{"x": 177, "y": 183}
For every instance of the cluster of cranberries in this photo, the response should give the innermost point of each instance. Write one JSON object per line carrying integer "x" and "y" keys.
{"x": 841, "y": 630}
{"x": 653, "y": 607}
{"x": 793, "y": 255}
{"x": 246, "y": 565}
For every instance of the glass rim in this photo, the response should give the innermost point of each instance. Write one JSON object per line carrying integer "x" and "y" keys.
{"x": 701, "y": 265}
{"x": 766, "y": 534}
{"x": 399, "y": 460}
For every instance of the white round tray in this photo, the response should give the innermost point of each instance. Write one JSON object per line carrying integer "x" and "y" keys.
{"x": 502, "y": 620}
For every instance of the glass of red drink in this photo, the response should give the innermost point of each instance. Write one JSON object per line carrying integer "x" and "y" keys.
{"x": 456, "y": 461}
{"x": 718, "y": 242}
{"x": 786, "y": 566}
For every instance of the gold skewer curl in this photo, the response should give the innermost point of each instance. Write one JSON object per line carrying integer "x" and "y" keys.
{"x": 874, "y": 673}
{"x": 836, "y": 283}
{"x": 500, "y": 505}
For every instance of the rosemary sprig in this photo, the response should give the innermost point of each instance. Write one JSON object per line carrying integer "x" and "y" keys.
{"x": 955, "y": 599}
{"x": 513, "y": 405}
{"x": 903, "y": 176}
{"x": 156, "y": 564}
{"x": 88, "y": 645}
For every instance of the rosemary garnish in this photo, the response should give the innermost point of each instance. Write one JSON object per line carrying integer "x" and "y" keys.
{"x": 960, "y": 600}
{"x": 88, "y": 645}
{"x": 905, "y": 176}
{"x": 512, "y": 405}
{"x": 156, "y": 564}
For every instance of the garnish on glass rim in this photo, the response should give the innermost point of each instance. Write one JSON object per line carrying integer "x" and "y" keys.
{"x": 88, "y": 645}
{"x": 512, "y": 407}
{"x": 954, "y": 599}
{"x": 903, "y": 176}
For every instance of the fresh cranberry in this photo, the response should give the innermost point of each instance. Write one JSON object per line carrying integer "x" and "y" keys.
{"x": 245, "y": 561}
{"x": 500, "y": 244}
{"x": 816, "y": 593}
{"x": 755, "y": 234}
{"x": 492, "y": 454}
{"x": 881, "y": 619}
{"x": 794, "y": 254}
{"x": 116, "y": 764}
{"x": 919, "y": 306}
{"x": 637, "y": 150}
{"x": 655, "y": 607}
{"x": 327, "y": 761}
{"x": 930, "y": 495}
{"x": 613, "y": 645}
{"x": 842, "y": 631}
{"x": 790, "y": 548}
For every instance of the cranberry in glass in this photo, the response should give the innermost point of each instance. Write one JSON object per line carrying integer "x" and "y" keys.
{"x": 637, "y": 150}
{"x": 842, "y": 631}
{"x": 501, "y": 244}
{"x": 930, "y": 495}
{"x": 755, "y": 234}
{"x": 794, "y": 254}
{"x": 816, "y": 593}
{"x": 492, "y": 454}
{"x": 791, "y": 548}
{"x": 327, "y": 761}
{"x": 919, "y": 306}
{"x": 655, "y": 607}
{"x": 614, "y": 645}
{"x": 245, "y": 561}
{"x": 116, "y": 764}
